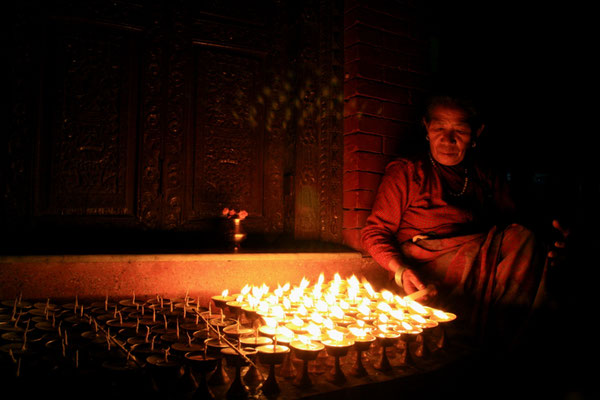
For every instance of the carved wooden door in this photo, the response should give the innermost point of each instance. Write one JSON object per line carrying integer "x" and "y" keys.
{"x": 154, "y": 116}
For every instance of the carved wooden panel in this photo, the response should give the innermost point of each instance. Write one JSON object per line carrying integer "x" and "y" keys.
{"x": 238, "y": 153}
{"x": 229, "y": 132}
{"x": 178, "y": 90}
{"x": 151, "y": 120}
{"x": 319, "y": 149}
{"x": 331, "y": 148}
{"x": 86, "y": 143}
{"x": 156, "y": 115}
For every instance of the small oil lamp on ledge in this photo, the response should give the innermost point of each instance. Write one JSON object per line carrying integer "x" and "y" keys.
{"x": 253, "y": 378}
{"x": 214, "y": 347}
{"x": 337, "y": 346}
{"x": 165, "y": 372}
{"x": 181, "y": 348}
{"x": 237, "y": 236}
{"x": 362, "y": 342}
{"x": 272, "y": 355}
{"x": 409, "y": 335}
{"x": 250, "y": 312}
{"x": 235, "y": 306}
{"x": 285, "y": 337}
{"x": 235, "y": 233}
{"x": 426, "y": 325}
{"x": 219, "y": 324}
{"x": 255, "y": 341}
{"x": 202, "y": 365}
{"x": 236, "y": 331}
{"x": 305, "y": 350}
{"x": 386, "y": 337}
{"x": 221, "y": 300}
{"x": 237, "y": 358}
{"x": 437, "y": 335}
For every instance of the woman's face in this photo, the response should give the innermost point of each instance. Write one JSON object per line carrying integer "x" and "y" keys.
{"x": 449, "y": 135}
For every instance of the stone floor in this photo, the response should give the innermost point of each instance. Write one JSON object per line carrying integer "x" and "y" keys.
{"x": 88, "y": 369}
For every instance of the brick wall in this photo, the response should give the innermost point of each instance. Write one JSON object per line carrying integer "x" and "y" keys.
{"x": 385, "y": 77}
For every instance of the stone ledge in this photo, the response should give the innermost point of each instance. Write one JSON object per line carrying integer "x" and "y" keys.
{"x": 87, "y": 258}
{"x": 171, "y": 275}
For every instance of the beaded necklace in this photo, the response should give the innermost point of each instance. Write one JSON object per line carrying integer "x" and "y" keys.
{"x": 464, "y": 189}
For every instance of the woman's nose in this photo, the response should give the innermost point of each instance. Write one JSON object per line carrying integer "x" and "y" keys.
{"x": 449, "y": 137}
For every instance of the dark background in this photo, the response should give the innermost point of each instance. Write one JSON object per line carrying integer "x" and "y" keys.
{"x": 528, "y": 65}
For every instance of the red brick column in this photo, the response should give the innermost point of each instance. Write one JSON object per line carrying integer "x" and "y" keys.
{"x": 385, "y": 63}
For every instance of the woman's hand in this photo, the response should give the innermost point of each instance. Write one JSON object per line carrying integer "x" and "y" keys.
{"x": 411, "y": 282}
{"x": 558, "y": 253}
{"x": 408, "y": 280}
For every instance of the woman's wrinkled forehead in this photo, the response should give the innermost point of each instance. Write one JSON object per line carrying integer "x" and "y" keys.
{"x": 463, "y": 109}
{"x": 444, "y": 115}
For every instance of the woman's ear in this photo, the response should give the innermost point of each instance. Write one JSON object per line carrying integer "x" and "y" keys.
{"x": 479, "y": 131}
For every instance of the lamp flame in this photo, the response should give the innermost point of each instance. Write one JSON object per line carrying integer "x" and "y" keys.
{"x": 283, "y": 331}
{"x": 302, "y": 310}
{"x": 370, "y": 290}
{"x": 316, "y": 292}
{"x": 278, "y": 292}
{"x": 418, "y": 318}
{"x": 401, "y": 302}
{"x": 440, "y": 314}
{"x": 406, "y": 326}
{"x": 272, "y": 300}
{"x": 321, "y": 279}
{"x": 335, "y": 335}
{"x": 328, "y": 323}
{"x": 286, "y": 303}
{"x": 270, "y": 322}
{"x": 304, "y": 283}
{"x": 297, "y": 321}
{"x": 263, "y": 307}
{"x": 363, "y": 309}
{"x": 344, "y": 305}
{"x": 352, "y": 292}
{"x": 353, "y": 282}
{"x": 337, "y": 312}
{"x": 308, "y": 302}
{"x": 397, "y": 314}
{"x": 358, "y": 332}
{"x": 295, "y": 295}
{"x": 321, "y": 306}
{"x": 245, "y": 290}
{"x": 387, "y": 295}
{"x": 316, "y": 318}
{"x": 304, "y": 339}
{"x": 416, "y": 307}
{"x": 385, "y": 307}
{"x": 278, "y": 312}
{"x": 314, "y": 330}
{"x": 330, "y": 298}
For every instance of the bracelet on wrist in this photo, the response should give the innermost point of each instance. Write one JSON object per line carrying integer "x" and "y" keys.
{"x": 398, "y": 276}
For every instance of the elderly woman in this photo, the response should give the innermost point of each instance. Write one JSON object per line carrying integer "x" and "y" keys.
{"x": 441, "y": 220}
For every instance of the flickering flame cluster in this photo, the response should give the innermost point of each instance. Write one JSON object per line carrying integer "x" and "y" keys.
{"x": 337, "y": 312}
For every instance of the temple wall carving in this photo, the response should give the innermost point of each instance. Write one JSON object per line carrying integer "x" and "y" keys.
{"x": 154, "y": 117}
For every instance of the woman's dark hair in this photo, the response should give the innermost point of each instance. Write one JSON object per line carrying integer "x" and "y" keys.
{"x": 462, "y": 103}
